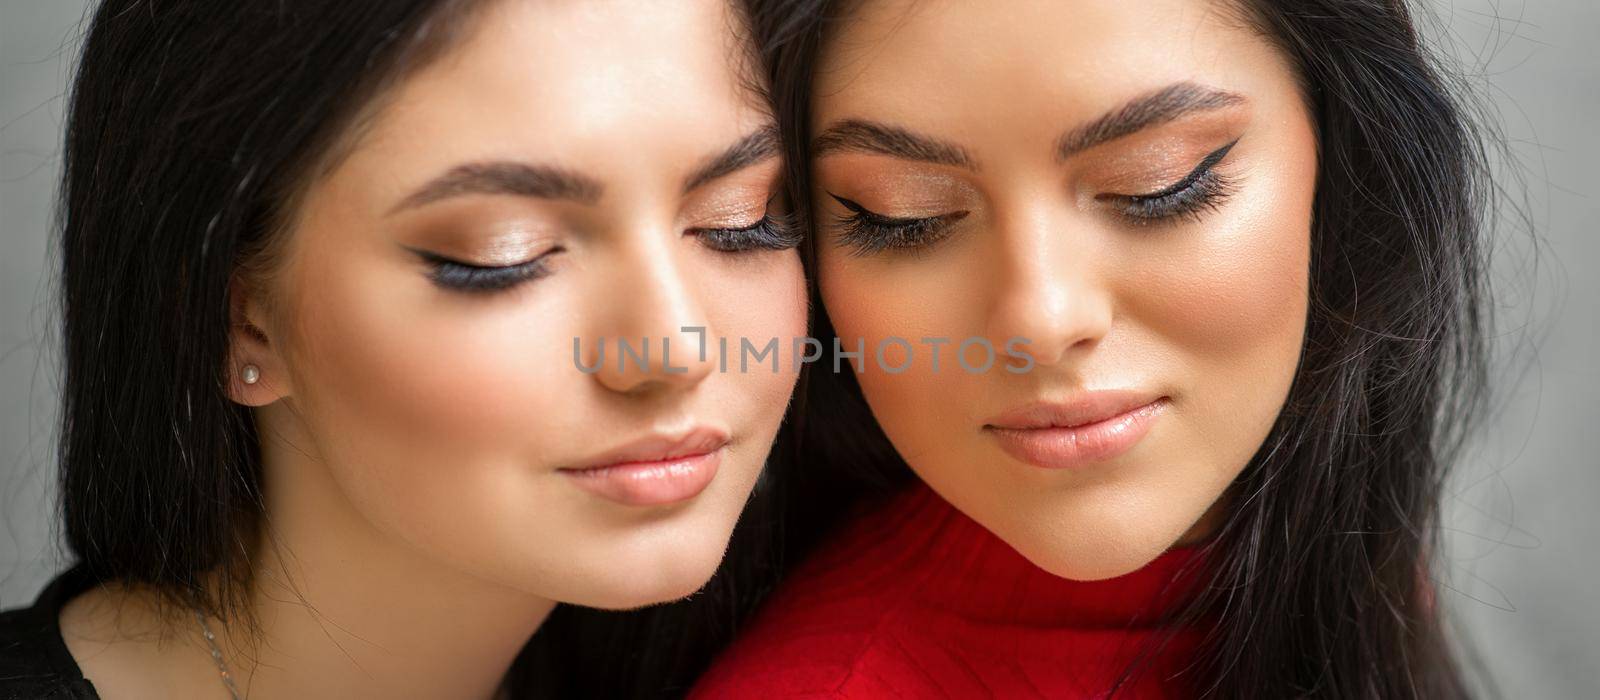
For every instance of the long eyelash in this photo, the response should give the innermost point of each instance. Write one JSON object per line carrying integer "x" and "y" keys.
{"x": 1203, "y": 195}
{"x": 772, "y": 232}
{"x": 466, "y": 277}
{"x": 1201, "y": 191}
{"x": 866, "y": 232}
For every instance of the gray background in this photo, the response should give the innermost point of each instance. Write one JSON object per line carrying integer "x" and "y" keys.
{"x": 1522, "y": 563}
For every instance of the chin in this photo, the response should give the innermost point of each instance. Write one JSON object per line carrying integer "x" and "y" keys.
{"x": 659, "y": 574}
{"x": 1091, "y": 558}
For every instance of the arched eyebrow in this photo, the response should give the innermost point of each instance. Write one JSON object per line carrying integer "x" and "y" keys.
{"x": 865, "y": 136}
{"x": 1151, "y": 109}
{"x": 755, "y": 148}
{"x": 550, "y": 182}
{"x": 506, "y": 177}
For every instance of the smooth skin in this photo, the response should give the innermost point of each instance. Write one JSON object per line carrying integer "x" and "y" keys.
{"x": 1042, "y": 239}
{"x": 418, "y": 526}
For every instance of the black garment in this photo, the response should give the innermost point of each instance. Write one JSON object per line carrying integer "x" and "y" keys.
{"x": 34, "y": 661}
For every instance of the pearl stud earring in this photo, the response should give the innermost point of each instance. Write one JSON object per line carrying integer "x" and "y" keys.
{"x": 250, "y": 374}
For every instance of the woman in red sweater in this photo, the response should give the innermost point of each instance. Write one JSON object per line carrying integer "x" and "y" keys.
{"x": 1144, "y": 319}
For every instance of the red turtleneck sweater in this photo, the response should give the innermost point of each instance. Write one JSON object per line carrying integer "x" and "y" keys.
{"x": 915, "y": 599}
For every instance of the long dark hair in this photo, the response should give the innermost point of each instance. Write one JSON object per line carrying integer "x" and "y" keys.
{"x": 1321, "y": 580}
{"x": 192, "y": 126}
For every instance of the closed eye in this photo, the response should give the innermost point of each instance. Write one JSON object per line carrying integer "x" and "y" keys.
{"x": 867, "y": 232}
{"x": 467, "y": 277}
{"x": 772, "y": 232}
{"x": 1202, "y": 190}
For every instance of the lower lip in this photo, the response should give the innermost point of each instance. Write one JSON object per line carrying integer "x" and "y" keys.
{"x": 649, "y": 483}
{"x": 1080, "y": 445}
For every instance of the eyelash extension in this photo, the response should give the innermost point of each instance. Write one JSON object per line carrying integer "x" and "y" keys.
{"x": 772, "y": 232}
{"x": 1201, "y": 191}
{"x": 867, "y": 232}
{"x": 466, "y": 277}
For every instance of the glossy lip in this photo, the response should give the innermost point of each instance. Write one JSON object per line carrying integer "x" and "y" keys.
{"x": 658, "y": 469}
{"x": 1090, "y": 428}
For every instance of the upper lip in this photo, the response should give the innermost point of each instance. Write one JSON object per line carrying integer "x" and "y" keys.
{"x": 1082, "y": 409}
{"x": 661, "y": 446}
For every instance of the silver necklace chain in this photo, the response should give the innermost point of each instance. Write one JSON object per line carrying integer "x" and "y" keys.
{"x": 216, "y": 655}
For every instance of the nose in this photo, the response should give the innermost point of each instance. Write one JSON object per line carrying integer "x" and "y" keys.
{"x": 650, "y": 332}
{"x": 1049, "y": 289}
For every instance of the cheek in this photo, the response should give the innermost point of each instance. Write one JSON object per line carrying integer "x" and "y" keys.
{"x": 1234, "y": 295}
{"x": 757, "y": 299}
{"x": 394, "y": 371}
{"x": 867, "y": 306}
{"x": 433, "y": 412}
{"x": 1228, "y": 301}
{"x": 870, "y": 300}
{"x": 933, "y": 292}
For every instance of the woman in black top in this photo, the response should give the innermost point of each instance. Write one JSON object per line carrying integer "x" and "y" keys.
{"x": 340, "y": 418}
{"x": 34, "y": 661}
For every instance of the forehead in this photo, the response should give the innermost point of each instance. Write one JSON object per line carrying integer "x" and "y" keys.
{"x": 554, "y": 79}
{"x": 914, "y": 60}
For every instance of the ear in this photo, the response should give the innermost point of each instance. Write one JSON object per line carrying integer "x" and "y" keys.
{"x": 249, "y": 345}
